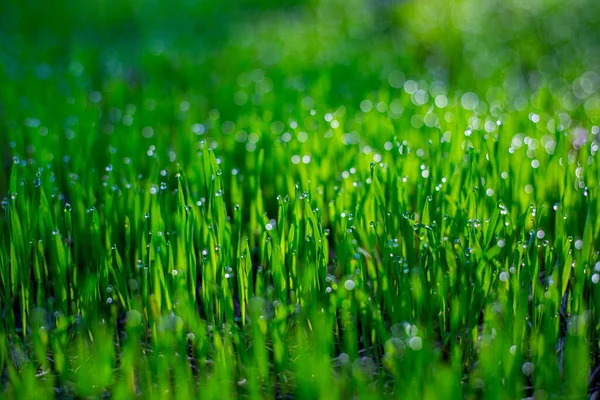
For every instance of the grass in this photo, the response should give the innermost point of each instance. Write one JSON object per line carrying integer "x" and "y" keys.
{"x": 290, "y": 201}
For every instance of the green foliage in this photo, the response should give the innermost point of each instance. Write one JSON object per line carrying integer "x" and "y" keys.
{"x": 316, "y": 199}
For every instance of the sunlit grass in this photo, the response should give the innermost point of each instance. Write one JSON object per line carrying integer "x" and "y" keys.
{"x": 272, "y": 219}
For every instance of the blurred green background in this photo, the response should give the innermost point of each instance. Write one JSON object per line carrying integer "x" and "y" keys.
{"x": 204, "y": 46}
{"x": 215, "y": 53}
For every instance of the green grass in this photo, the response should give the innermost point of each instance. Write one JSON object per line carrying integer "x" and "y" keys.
{"x": 300, "y": 200}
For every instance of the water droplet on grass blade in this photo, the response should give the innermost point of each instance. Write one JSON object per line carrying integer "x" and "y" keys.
{"x": 344, "y": 358}
{"x": 349, "y": 284}
{"x": 528, "y": 368}
{"x": 395, "y": 347}
{"x": 415, "y": 343}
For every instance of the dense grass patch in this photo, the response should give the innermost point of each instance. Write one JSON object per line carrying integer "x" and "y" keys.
{"x": 321, "y": 199}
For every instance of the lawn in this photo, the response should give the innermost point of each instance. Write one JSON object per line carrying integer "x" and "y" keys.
{"x": 300, "y": 199}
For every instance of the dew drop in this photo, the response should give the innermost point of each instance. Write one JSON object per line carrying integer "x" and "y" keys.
{"x": 415, "y": 343}
{"x": 349, "y": 284}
